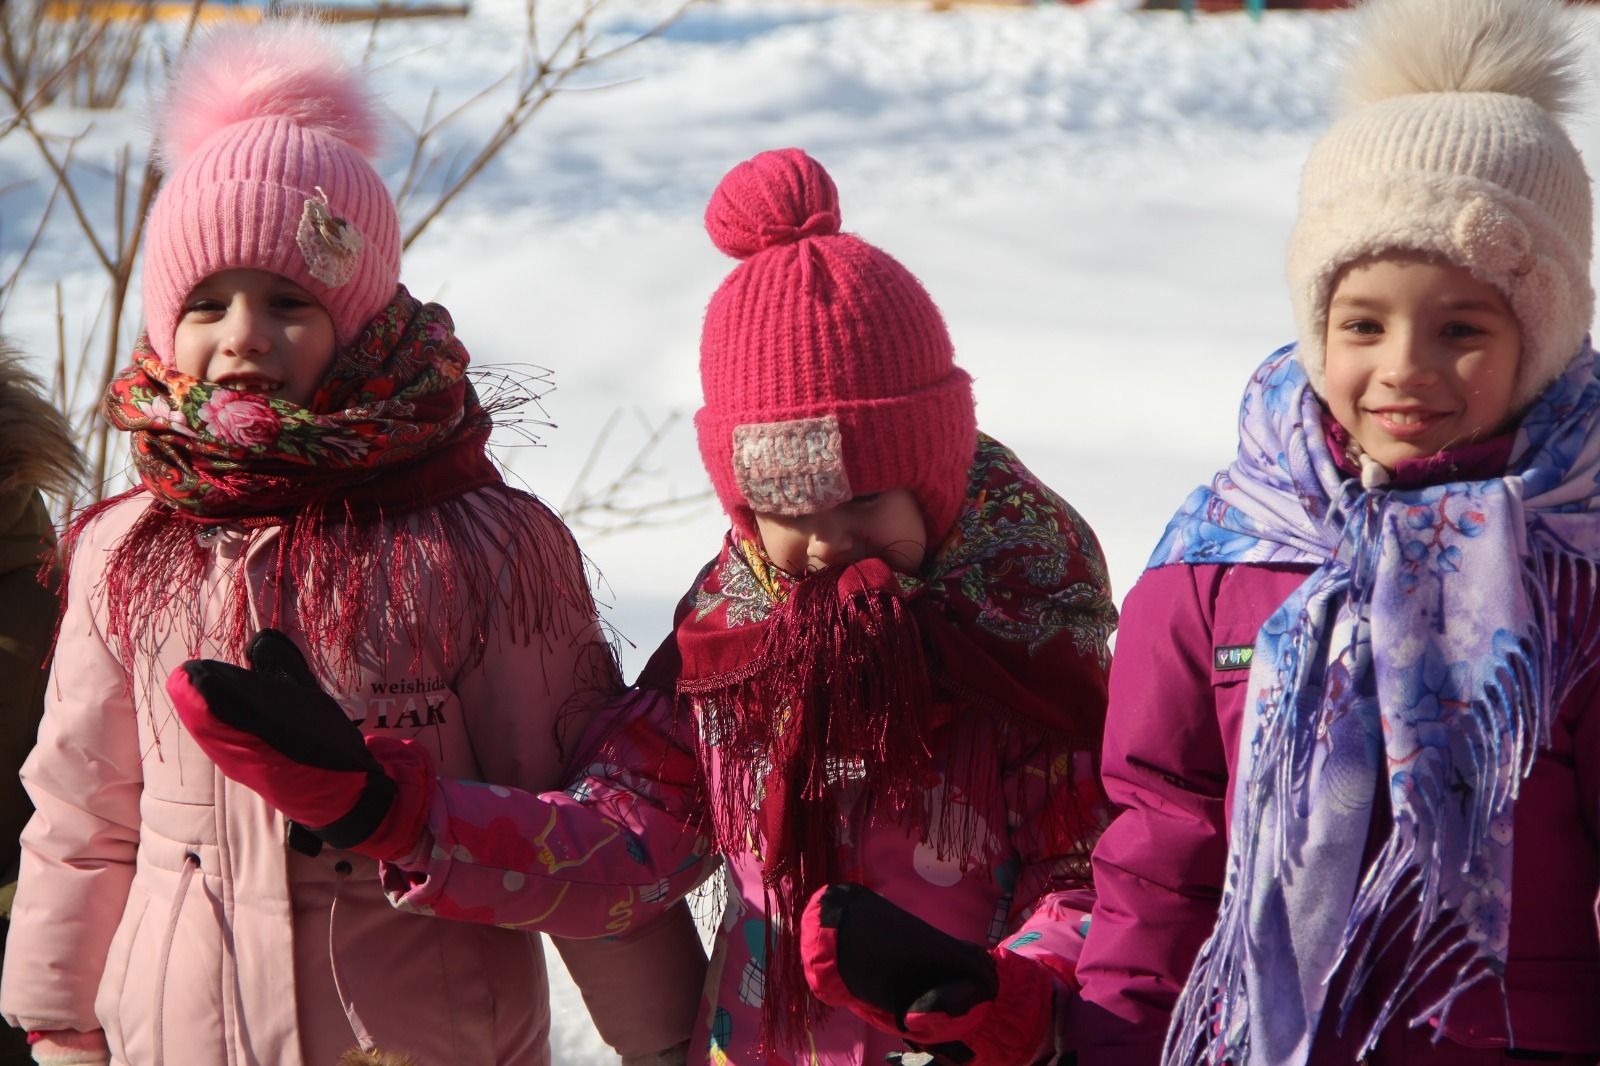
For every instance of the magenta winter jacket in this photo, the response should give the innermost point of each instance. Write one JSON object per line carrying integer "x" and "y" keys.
{"x": 159, "y": 901}
{"x": 1178, "y": 683}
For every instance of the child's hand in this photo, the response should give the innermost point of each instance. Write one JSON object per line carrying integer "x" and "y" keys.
{"x": 274, "y": 730}
{"x": 68, "y": 1047}
{"x": 951, "y": 998}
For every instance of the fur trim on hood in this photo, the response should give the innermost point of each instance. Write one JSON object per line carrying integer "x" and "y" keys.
{"x": 37, "y": 448}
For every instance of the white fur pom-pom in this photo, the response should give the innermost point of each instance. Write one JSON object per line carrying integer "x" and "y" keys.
{"x": 282, "y": 68}
{"x": 1519, "y": 47}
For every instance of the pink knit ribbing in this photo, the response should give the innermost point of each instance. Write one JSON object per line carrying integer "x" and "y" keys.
{"x": 817, "y": 323}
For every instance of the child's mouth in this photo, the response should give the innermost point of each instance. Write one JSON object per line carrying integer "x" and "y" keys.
{"x": 1407, "y": 424}
{"x": 256, "y": 385}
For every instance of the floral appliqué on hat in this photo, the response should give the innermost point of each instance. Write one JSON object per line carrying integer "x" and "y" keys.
{"x": 332, "y": 246}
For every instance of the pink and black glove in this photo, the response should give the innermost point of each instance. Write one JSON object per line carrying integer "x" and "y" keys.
{"x": 949, "y": 998}
{"x": 272, "y": 729}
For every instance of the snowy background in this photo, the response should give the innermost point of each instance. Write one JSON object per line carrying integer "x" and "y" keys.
{"x": 1097, "y": 199}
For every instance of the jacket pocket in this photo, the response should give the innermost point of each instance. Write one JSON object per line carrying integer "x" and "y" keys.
{"x": 109, "y": 997}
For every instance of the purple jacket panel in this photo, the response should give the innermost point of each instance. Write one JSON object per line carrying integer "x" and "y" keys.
{"x": 1172, "y": 737}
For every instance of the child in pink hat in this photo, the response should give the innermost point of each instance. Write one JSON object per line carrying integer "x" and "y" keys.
{"x": 878, "y": 711}
{"x": 311, "y": 457}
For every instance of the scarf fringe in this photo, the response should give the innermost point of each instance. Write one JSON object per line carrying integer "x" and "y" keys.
{"x": 840, "y": 695}
{"x": 1210, "y": 1019}
{"x": 1402, "y": 886}
{"x": 820, "y": 702}
{"x": 354, "y": 583}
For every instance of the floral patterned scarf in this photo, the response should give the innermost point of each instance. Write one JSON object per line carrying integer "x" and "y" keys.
{"x": 395, "y": 429}
{"x": 1423, "y": 658}
{"x": 398, "y": 395}
{"x": 849, "y": 674}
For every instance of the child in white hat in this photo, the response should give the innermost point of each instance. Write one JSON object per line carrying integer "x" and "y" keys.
{"x": 1353, "y": 725}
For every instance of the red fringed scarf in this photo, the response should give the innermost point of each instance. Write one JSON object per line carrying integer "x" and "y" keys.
{"x": 364, "y": 485}
{"x": 851, "y": 673}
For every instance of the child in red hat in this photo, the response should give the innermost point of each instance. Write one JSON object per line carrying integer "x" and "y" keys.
{"x": 880, "y": 704}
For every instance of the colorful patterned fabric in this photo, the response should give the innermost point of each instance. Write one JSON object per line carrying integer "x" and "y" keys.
{"x": 631, "y": 835}
{"x": 394, "y": 428}
{"x": 399, "y": 393}
{"x": 1421, "y": 656}
{"x": 847, "y": 675}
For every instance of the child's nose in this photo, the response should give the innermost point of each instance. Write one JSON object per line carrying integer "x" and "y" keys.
{"x": 245, "y": 333}
{"x": 832, "y": 545}
{"x": 1407, "y": 359}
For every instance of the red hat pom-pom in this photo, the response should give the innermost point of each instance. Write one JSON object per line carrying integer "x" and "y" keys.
{"x": 776, "y": 198}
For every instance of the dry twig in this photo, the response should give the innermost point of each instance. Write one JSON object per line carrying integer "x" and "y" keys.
{"x": 539, "y": 76}
{"x": 627, "y": 501}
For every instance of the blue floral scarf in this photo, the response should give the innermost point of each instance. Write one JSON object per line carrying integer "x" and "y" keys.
{"x": 1423, "y": 655}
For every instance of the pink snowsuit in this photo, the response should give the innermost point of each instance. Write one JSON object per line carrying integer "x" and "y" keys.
{"x": 1172, "y": 742}
{"x": 627, "y": 841}
{"x": 160, "y": 901}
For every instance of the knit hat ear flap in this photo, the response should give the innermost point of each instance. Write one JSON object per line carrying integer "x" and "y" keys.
{"x": 827, "y": 370}
{"x": 265, "y": 136}
{"x": 1453, "y": 149}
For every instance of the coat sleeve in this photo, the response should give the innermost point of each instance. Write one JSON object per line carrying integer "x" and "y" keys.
{"x": 84, "y": 777}
{"x": 1053, "y": 805}
{"x": 615, "y": 850}
{"x": 527, "y": 708}
{"x": 1158, "y": 868}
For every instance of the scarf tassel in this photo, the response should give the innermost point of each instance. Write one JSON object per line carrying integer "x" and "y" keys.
{"x": 1402, "y": 887}
{"x": 842, "y": 698}
{"x": 447, "y": 574}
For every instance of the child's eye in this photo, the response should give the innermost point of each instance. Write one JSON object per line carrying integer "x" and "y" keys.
{"x": 1363, "y": 327}
{"x": 203, "y": 306}
{"x": 290, "y": 302}
{"x": 1461, "y": 329}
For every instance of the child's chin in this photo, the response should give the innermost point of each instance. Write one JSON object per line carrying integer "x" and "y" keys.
{"x": 1392, "y": 452}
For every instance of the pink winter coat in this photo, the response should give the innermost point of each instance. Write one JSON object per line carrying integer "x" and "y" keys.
{"x": 159, "y": 901}
{"x": 1172, "y": 740}
{"x": 626, "y": 842}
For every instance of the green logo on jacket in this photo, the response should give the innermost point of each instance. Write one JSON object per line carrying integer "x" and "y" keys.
{"x": 1234, "y": 657}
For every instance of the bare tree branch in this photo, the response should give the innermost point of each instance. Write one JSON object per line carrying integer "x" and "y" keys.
{"x": 544, "y": 73}
{"x": 629, "y": 500}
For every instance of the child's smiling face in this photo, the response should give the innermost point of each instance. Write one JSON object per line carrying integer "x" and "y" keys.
{"x": 254, "y": 331}
{"x": 1421, "y": 356}
{"x": 885, "y": 525}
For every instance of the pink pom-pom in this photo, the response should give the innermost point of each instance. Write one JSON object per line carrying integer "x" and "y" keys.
{"x": 286, "y": 69}
{"x": 778, "y": 197}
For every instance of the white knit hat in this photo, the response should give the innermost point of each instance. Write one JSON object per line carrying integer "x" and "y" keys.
{"x": 1452, "y": 148}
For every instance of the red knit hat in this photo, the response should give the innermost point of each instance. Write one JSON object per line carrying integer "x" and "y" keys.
{"x": 827, "y": 370}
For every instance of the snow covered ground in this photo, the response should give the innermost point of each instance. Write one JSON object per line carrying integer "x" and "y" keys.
{"x": 1097, "y": 199}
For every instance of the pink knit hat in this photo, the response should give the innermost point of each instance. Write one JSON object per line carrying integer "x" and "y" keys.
{"x": 827, "y": 370}
{"x": 265, "y": 140}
